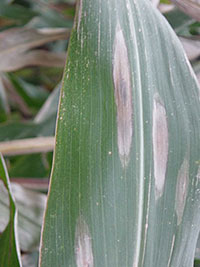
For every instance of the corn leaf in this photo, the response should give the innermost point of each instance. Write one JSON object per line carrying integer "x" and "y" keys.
{"x": 125, "y": 183}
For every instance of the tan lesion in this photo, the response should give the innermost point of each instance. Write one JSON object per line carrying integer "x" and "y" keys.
{"x": 83, "y": 244}
{"x": 160, "y": 144}
{"x": 182, "y": 189}
{"x": 123, "y": 96}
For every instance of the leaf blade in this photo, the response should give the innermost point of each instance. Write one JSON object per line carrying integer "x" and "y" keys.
{"x": 115, "y": 207}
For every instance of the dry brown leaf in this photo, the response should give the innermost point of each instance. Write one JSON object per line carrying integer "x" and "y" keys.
{"x": 35, "y": 58}
{"x": 190, "y": 7}
{"x": 16, "y": 43}
{"x": 155, "y": 2}
{"x": 27, "y": 146}
{"x": 164, "y": 8}
{"x": 191, "y": 46}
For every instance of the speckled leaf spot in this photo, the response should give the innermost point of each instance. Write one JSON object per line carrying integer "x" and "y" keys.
{"x": 181, "y": 190}
{"x": 83, "y": 245}
{"x": 160, "y": 145}
{"x": 123, "y": 96}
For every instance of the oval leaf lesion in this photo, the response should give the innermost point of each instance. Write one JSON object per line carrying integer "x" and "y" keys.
{"x": 83, "y": 245}
{"x": 123, "y": 96}
{"x": 181, "y": 190}
{"x": 160, "y": 144}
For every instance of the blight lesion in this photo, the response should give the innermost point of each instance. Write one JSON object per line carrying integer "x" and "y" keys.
{"x": 123, "y": 96}
{"x": 83, "y": 244}
{"x": 160, "y": 144}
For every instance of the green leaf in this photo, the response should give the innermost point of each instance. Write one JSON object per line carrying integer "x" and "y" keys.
{"x": 7, "y": 1}
{"x": 179, "y": 21}
{"x": 21, "y": 130}
{"x": 50, "y": 18}
{"x": 28, "y": 166}
{"x": 9, "y": 247}
{"x": 4, "y": 106}
{"x": 50, "y": 107}
{"x": 18, "y": 130}
{"x": 197, "y": 263}
{"x": 17, "y": 13}
{"x": 34, "y": 96}
{"x": 167, "y": 2}
{"x": 125, "y": 184}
